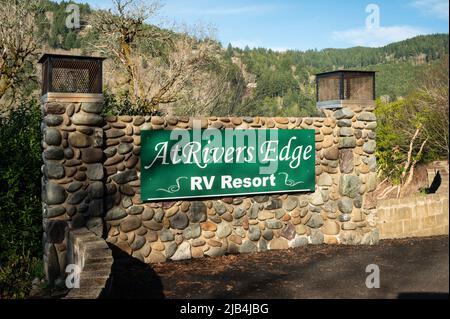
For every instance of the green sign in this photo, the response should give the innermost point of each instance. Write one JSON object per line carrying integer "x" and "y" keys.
{"x": 213, "y": 163}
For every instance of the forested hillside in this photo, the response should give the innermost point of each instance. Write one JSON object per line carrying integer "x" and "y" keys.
{"x": 282, "y": 83}
{"x": 289, "y": 75}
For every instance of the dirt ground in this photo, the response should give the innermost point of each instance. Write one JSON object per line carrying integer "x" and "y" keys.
{"x": 409, "y": 268}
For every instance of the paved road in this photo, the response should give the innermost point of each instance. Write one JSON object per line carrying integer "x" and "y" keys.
{"x": 409, "y": 268}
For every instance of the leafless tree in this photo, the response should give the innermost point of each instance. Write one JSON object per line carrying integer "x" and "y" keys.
{"x": 157, "y": 67}
{"x": 19, "y": 42}
{"x": 433, "y": 99}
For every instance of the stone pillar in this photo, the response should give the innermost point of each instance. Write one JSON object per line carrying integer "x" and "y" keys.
{"x": 72, "y": 183}
{"x": 355, "y": 129}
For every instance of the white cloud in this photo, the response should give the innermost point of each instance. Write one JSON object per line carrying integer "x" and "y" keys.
{"x": 256, "y": 9}
{"x": 435, "y": 8}
{"x": 376, "y": 37}
{"x": 242, "y": 43}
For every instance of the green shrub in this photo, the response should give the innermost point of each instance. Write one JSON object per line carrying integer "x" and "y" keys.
{"x": 20, "y": 197}
{"x": 17, "y": 274}
{"x": 121, "y": 104}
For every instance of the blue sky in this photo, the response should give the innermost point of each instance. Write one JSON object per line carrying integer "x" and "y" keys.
{"x": 307, "y": 24}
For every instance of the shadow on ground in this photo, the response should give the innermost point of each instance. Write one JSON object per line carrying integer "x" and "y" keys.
{"x": 416, "y": 268}
{"x": 132, "y": 279}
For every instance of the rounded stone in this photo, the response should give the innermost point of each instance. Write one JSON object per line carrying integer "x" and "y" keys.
{"x": 91, "y": 155}
{"x": 94, "y": 172}
{"x": 369, "y": 147}
{"x": 179, "y": 221}
{"x": 261, "y": 199}
{"x": 130, "y": 224}
{"x": 79, "y": 140}
{"x": 316, "y": 221}
{"x": 52, "y": 136}
{"x": 220, "y": 208}
{"x": 274, "y": 203}
{"x": 330, "y": 227}
{"x": 288, "y": 231}
{"x": 192, "y": 231}
{"x": 115, "y": 214}
{"x": 349, "y": 185}
{"x": 110, "y": 151}
{"x": 53, "y": 120}
{"x": 155, "y": 257}
{"x": 344, "y": 113}
{"x": 331, "y": 153}
{"x": 183, "y": 252}
{"x": 125, "y": 148}
{"x": 135, "y": 210}
{"x": 197, "y": 212}
{"x": 77, "y": 197}
{"x": 223, "y": 230}
{"x": 301, "y": 229}
{"x": 166, "y": 235}
{"x": 88, "y": 119}
{"x": 345, "y": 218}
{"x": 138, "y": 243}
{"x": 274, "y": 224}
{"x": 348, "y": 226}
{"x": 55, "y": 108}
{"x": 299, "y": 242}
{"x": 125, "y": 177}
{"x": 248, "y": 247}
{"x": 54, "y": 170}
{"x": 267, "y": 234}
{"x": 55, "y": 194}
{"x": 345, "y": 131}
{"x": 68, "y": 153}
{"x": 171, "y": 248}
{"x": 316, "y": 198}
{"x": 53, "y": 153}
{"x": 290, "y": 203}
{"x": 254, "y": 210}
{"x": 239, "y": 213}
{"x": 74, "y": 186}
{"x": 92, "y": 107}
{"x": 316, "y": 237}
{"x": 325, "y": 180}
{"x": 254, "y": 233}
{"x": 347, "y": 142}
{"x": 345, "y": 205}
{"x": 148, "y": 213}
{"x": 55, "y": 211}
{"x": 366, "y": 117}
{"x": 96, "y": 189}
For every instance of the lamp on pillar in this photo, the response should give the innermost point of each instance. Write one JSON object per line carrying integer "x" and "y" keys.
{"x": 337, "y": 88}
{"x": 68, "y": 78}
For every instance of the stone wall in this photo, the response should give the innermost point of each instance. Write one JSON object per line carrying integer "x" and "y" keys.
{"x": 339, "y": 211}
{"x": 417, "y": 216}
{"x": 91, "y": 179}
{"x": 73, "y": 178}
